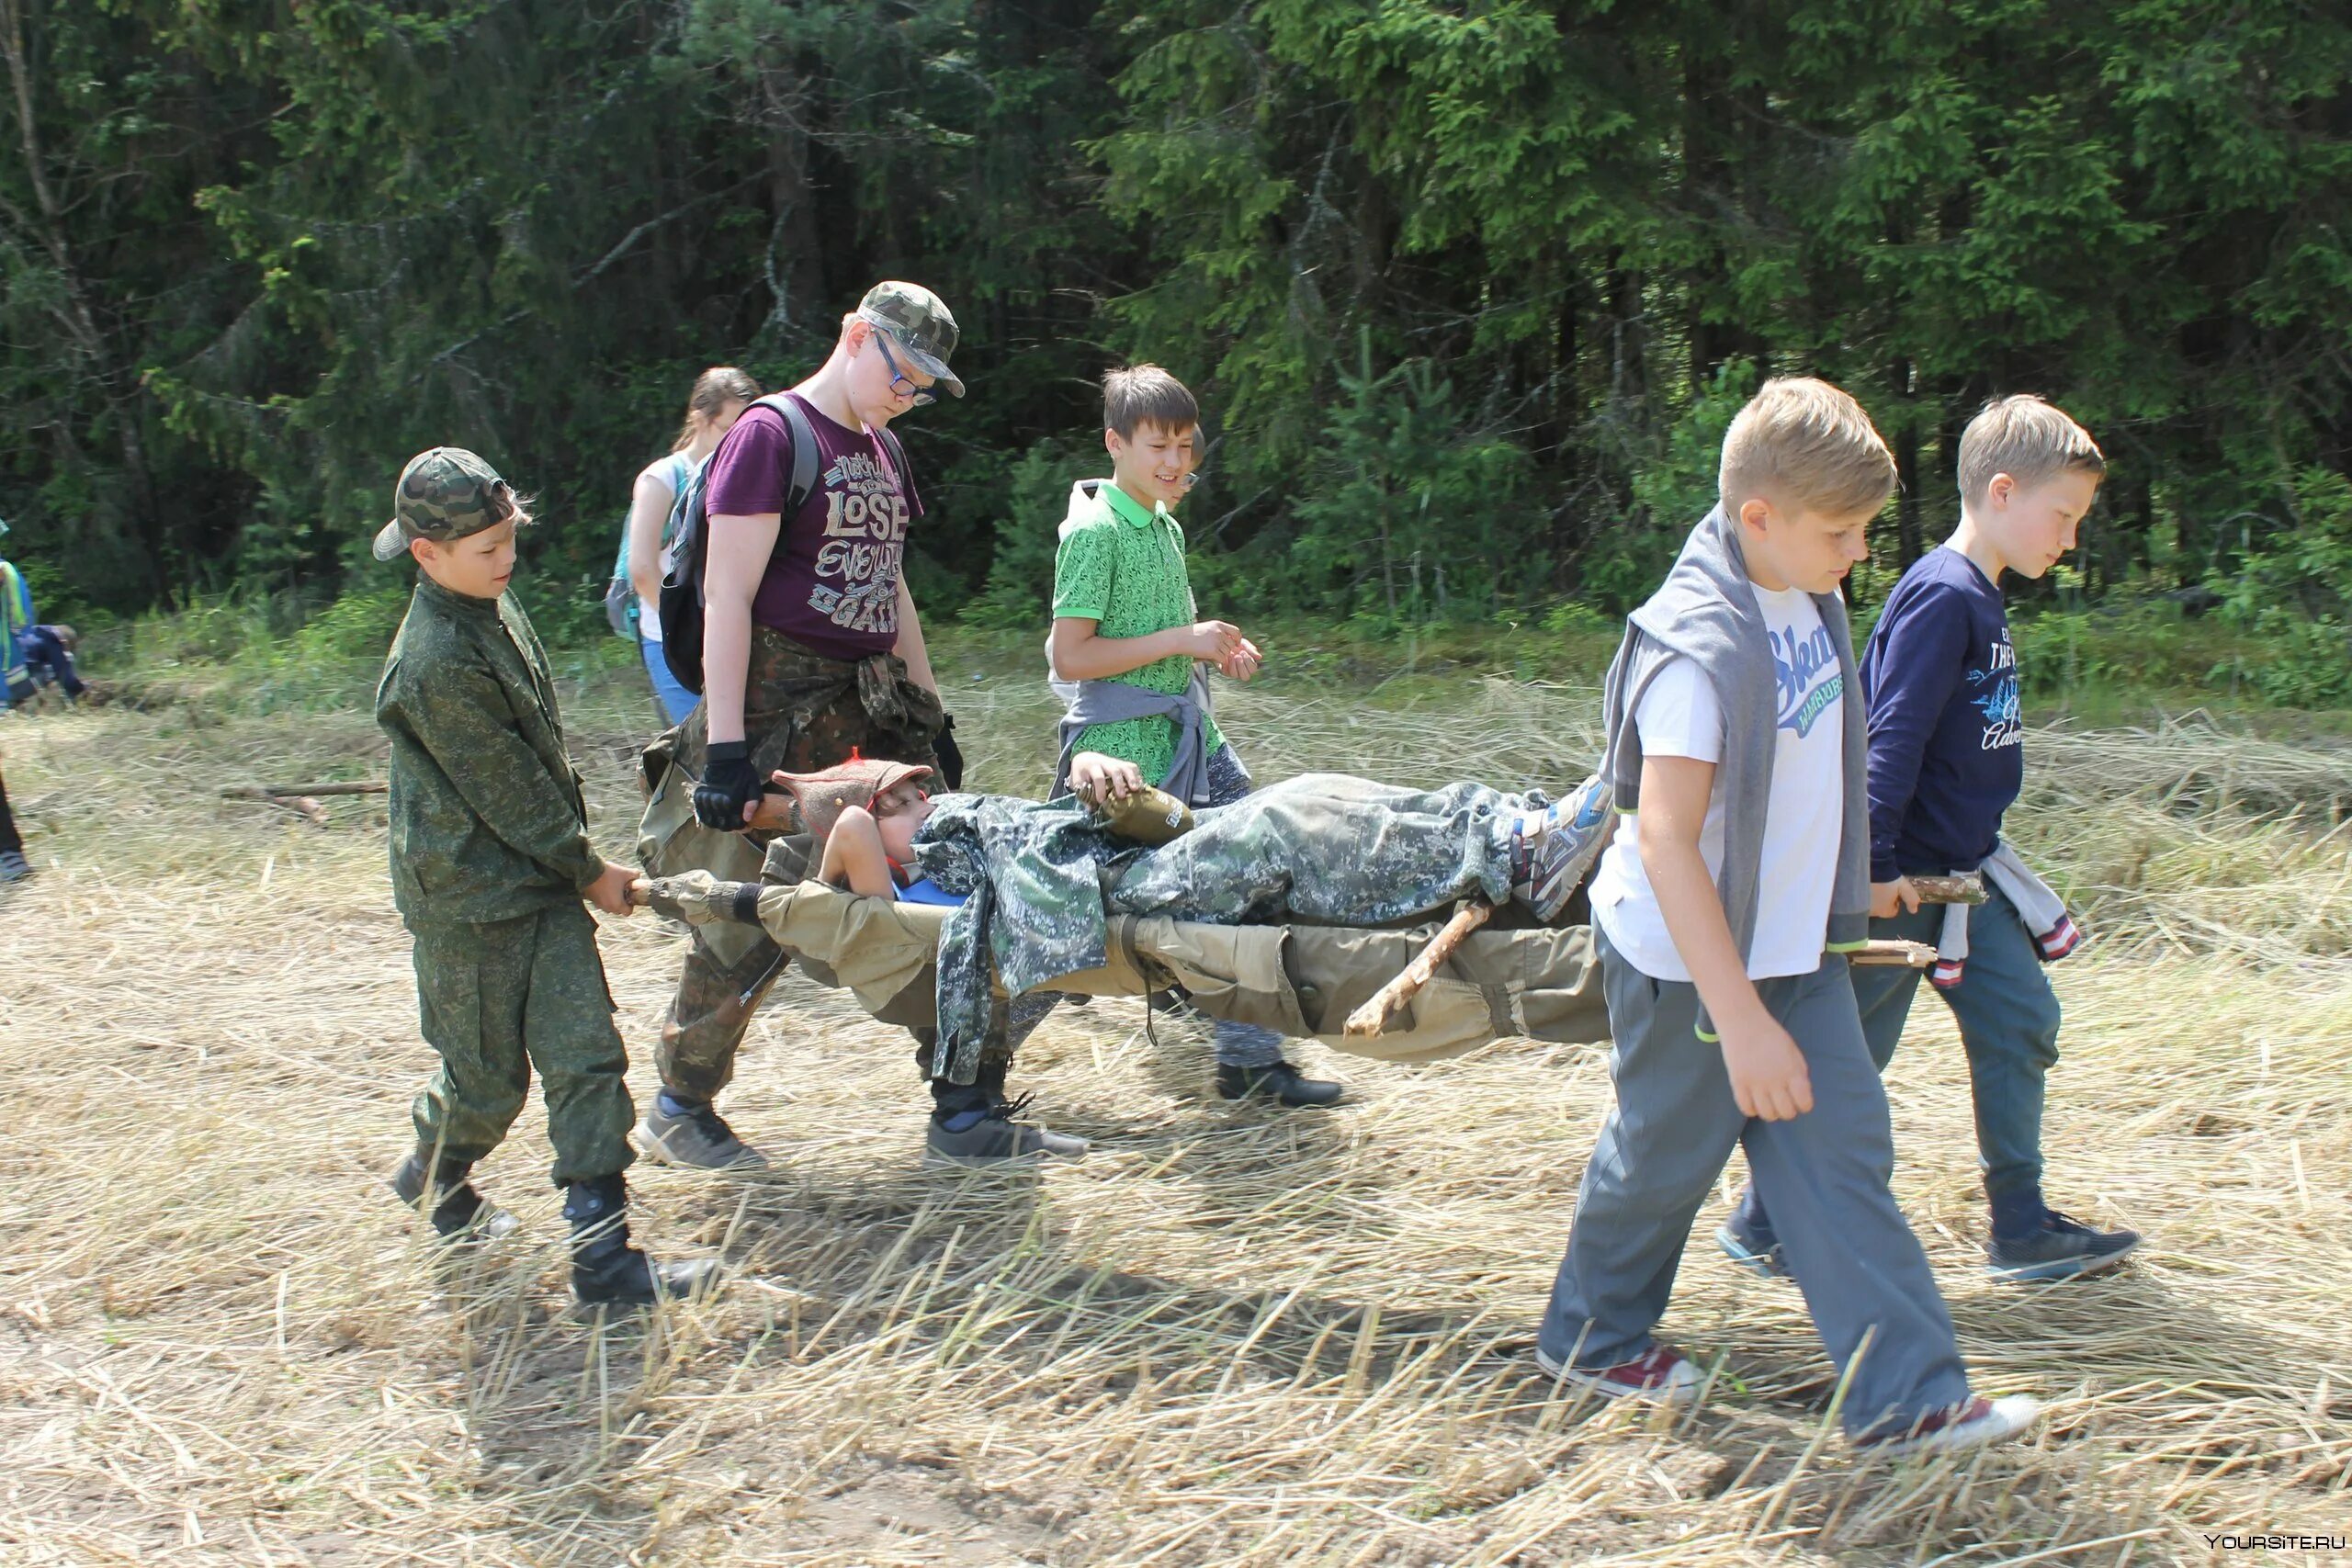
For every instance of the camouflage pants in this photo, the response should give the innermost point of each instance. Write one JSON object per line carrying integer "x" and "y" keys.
{"x": 801, "y": 711}
{"x": 501, "y": 998}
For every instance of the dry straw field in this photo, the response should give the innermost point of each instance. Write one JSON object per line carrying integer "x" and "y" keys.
{"x": 1227, "y": 1337}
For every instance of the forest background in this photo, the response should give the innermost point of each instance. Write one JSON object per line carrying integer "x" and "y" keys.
{"x": 1469, "y": 289}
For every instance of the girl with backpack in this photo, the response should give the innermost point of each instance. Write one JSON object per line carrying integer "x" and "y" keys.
{"x": 633, "y": 601}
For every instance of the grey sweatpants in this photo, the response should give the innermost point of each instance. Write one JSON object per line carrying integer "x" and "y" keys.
{"x": 1824, "y": 1174}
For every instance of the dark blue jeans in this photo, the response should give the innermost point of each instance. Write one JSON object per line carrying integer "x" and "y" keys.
{"x": 45, "y": 650}
{"x": 1237, "y": 1045}
{"x": 2009, "y": 1027}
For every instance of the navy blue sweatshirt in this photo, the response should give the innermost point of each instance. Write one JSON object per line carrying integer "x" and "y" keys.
{"x": 1941, "y": 682}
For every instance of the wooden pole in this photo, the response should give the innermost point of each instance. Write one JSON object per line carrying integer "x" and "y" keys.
{"x": 1385, "y": 1003}
{"x": 1968, "y": 887}
{"x": 273, "y": 792}
{"x": 1907, "y": 954}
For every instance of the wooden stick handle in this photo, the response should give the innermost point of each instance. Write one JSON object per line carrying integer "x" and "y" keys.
{"x": 301, "y": 805}
{"x": 1968, "y": 887}
{"x": 273, "y": 792}
{"x": 1385, "y": 1003}
{"x": 1906, "y": 955}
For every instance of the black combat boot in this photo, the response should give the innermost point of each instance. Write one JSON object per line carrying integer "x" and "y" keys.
{"x": 606, "y": 1269}
{"x": 1277, "y": 1081}
{"x": 458, "y": 1212}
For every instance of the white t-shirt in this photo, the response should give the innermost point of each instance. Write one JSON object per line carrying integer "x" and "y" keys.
{"x": 673, "y": 471}
{"x": 1681, "y": 716}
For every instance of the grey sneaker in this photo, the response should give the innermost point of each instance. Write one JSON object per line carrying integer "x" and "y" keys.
{"x": 998, "y": 1137}
{"x": 1551, "y": 853}
{"x": 1760, "y": 1256}
{"x": 698, "y": 1139}
{"x": 14, "y": 866}
{"x": 2059, "y": 1248}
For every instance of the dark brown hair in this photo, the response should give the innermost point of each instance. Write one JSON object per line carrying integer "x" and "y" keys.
{"x": 714, "y": 389}
{"x": 1145, "y": 394}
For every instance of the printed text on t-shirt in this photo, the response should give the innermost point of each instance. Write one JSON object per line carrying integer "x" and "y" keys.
{"x": 855, "y": 583}
{"x": 1996, "y": 696}
{"x": 1797, "y": 665}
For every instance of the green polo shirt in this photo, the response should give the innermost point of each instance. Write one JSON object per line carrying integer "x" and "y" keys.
{"x": 1123, "y": 569}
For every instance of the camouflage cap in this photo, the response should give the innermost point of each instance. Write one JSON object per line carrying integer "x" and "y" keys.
{"x": 445, "y": 493}
{"x": 920, "y": 322}
{"x": 860, "y": 780}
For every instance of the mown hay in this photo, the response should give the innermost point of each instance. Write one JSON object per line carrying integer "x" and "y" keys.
{"x": 1227, "y": 1338}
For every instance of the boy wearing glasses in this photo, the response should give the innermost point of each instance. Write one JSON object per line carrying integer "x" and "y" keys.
{"x": 1128, "y": 654}
{"x": 812, "y": 650}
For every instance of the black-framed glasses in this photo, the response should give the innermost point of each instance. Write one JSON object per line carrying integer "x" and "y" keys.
{"x": 901, "y": 384}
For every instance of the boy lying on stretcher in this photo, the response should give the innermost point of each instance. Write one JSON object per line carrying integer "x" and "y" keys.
{"x": 869, "y": 817}
{"x": 1033, "y": 886}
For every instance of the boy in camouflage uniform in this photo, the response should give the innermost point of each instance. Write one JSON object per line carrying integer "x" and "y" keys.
{"x": 490, "y": 861}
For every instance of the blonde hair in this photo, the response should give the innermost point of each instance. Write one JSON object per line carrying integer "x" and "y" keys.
{"x": 1807, "y": 443}
{"x": 714, "y": 389}
{"x": 2027, "y": 438}
{"x": 1145, "y": 394}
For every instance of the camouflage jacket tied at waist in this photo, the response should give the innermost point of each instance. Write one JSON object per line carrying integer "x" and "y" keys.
{"x": 488, "y": 819}
{"x": 803, "y": 710}
{"x": 1322, "y": 848}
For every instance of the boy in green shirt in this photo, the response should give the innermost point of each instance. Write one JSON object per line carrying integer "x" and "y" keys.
{"x": 491, "y": 864}
{"x": 1127, "y": 654}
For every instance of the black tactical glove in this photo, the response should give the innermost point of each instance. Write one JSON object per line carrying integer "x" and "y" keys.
{"x": 950, "y": 755}
{"x": 729, "y": 785}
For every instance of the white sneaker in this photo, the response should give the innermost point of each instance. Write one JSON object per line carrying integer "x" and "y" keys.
{"x": 1971, "y": 1424}
{"x": 1657, "y": 1376}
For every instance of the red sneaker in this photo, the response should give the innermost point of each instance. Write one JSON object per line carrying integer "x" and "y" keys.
{"x": 1971, "y": 1424}
{"x": 1657, "y": 1376}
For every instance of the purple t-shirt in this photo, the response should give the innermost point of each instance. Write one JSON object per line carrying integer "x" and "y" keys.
{"x": 833, "y": 582}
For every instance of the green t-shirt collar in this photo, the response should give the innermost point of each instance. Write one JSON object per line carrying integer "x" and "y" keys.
{"x": 1127, "y": 509}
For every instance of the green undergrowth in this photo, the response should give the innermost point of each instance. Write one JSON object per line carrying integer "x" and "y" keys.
{"x": 2109, "y": 667}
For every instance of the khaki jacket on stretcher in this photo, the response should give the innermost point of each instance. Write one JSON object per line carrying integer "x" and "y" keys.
{"x": 1302, "y": 980}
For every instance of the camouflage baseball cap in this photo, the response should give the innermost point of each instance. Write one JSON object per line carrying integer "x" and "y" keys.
{"x": 443, "y": 495}
{"x": 919, "y": 322}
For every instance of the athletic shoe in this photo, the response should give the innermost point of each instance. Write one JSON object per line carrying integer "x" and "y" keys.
{"x": 997, "y": 1136}
{"x": 14, "y": 866}
{"x": 1971, "y": 1424}
{"x": 1760, "y": 1256}
{"x": 2061, "y": 1249}
{"x": 697, "y": 1138}
{"x": 1657, "y": 1376}
{"x": 1551, "y": 850}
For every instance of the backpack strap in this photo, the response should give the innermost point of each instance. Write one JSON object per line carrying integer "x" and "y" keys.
{"x": 803, "y": 451}
{"x": 889, "y": 439}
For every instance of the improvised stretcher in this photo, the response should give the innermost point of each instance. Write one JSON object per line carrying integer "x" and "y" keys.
{"x": 1302, "y": 980}
{"x": 1540, "y": 982}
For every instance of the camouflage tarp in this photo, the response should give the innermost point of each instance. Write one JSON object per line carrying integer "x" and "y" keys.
{"x": 1541, "y": 982}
